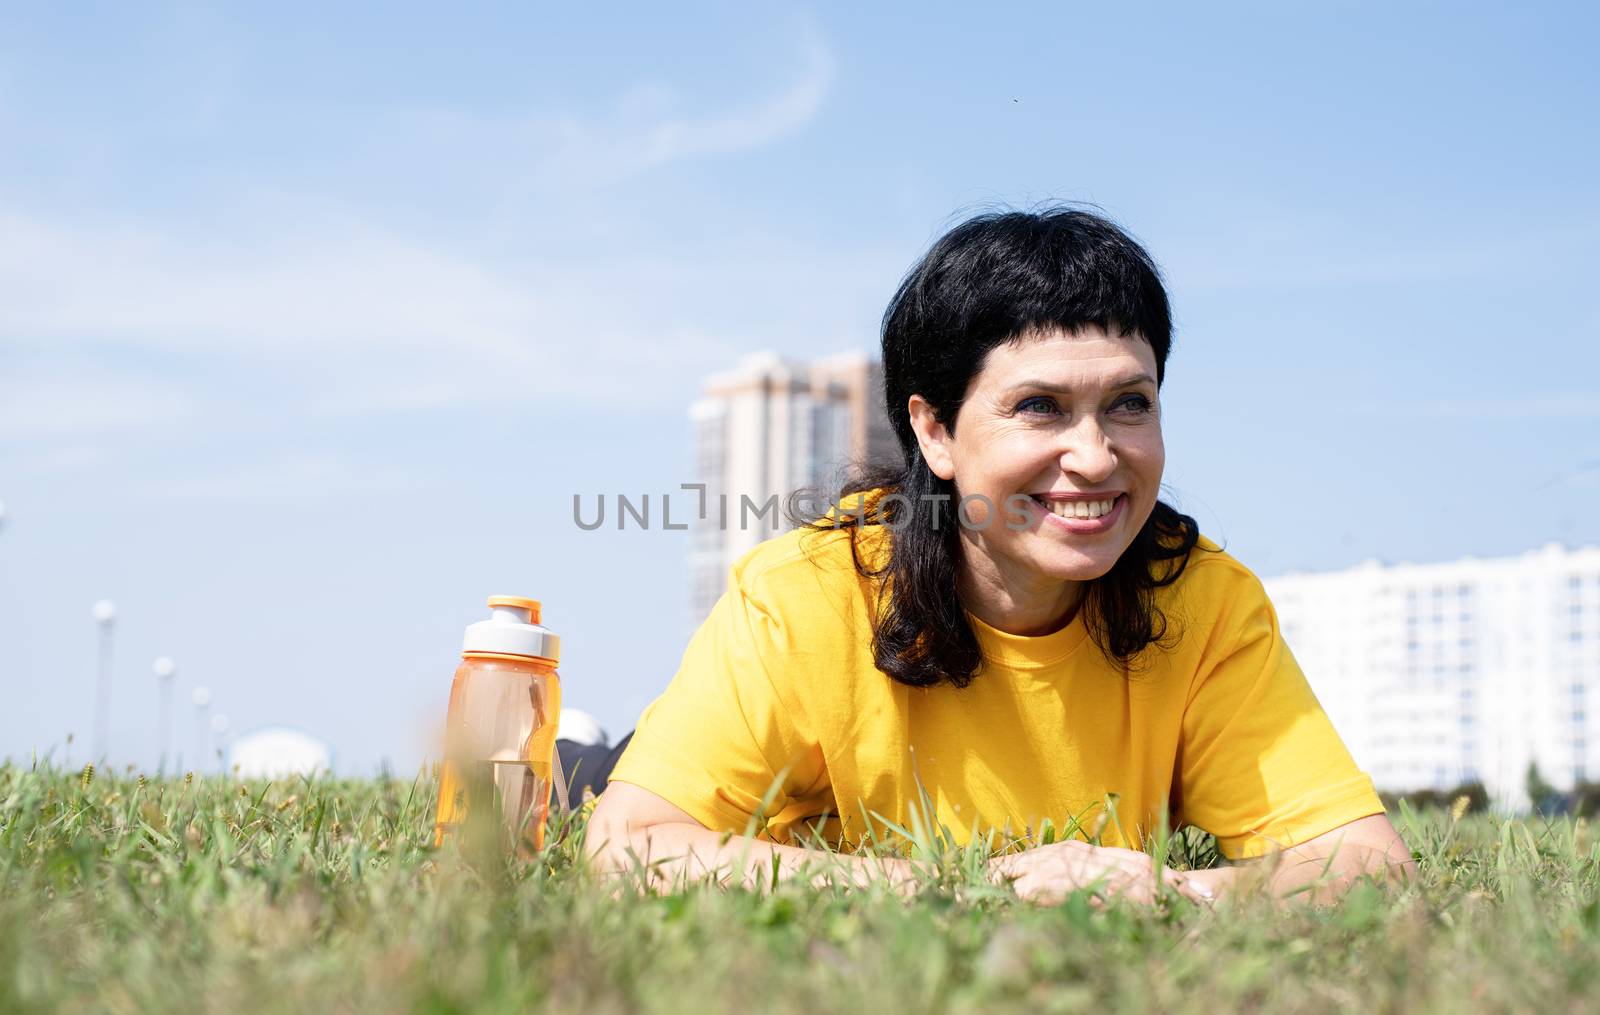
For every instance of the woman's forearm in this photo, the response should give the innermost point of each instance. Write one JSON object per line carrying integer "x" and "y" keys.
{"x": 669, "y": 855}
{"x": 1318, "y": 876}
{"x": 1324, "y": 877}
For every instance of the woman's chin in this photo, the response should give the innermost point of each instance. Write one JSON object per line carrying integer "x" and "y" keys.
{"x": 1077, "y": 569}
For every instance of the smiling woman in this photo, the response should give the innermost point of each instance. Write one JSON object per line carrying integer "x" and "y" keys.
{"x": 1007, "y": 630}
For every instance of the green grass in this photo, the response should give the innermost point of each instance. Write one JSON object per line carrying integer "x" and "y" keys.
{"x": 123, "y": 895}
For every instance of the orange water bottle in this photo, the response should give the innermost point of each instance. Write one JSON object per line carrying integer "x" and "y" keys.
{"x": 500, "y": 764}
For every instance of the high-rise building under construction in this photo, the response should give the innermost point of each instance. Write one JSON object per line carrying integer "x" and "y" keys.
{"x": 768, "y": 428}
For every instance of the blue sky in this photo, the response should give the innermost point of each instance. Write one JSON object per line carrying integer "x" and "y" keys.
{"x": 312, "y": 322}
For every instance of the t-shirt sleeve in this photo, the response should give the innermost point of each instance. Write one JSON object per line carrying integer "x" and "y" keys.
{"x": 720, "y": 743}
{"x": 1261, "y": 766}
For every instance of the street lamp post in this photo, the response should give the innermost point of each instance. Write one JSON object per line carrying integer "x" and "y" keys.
{"x": 219, "y": 731}
{"x": 165, "y": 669}
{"x": 105, "y": 616}
{"x": 202, "y": 701}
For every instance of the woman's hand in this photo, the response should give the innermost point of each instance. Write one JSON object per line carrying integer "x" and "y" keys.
{"x": 1050, "y": 873}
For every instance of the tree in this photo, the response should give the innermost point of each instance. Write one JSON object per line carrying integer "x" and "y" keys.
{"x": 1540, "y": 793}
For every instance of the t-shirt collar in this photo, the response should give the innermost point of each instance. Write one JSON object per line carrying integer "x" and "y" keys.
{"x": 1024, "y": 652}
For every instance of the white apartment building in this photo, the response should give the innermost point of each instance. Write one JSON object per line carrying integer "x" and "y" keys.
{"x": 768, "y": 428}
{"x": 1439, "y": 674}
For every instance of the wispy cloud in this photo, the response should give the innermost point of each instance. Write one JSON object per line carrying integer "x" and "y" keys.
{"x": 673, "y": 138}
{"x": 286, "y": 479}
{"x": 358, "y": 319}
{"x": 73, "y": 396}
{"x": 647, "y": 126}
{"x": 70, "y": 457}
{"x": 350, "y": 315}
{"x": 285, "y": 291}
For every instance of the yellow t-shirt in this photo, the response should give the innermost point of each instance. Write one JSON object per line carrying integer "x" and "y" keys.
{"x": 779, "y": 719}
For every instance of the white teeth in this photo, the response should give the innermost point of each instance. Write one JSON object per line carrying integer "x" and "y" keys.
{"x": 1080, "y": 508}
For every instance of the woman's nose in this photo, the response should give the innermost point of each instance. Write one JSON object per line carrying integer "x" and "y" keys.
{"x": 1087, "y": 451}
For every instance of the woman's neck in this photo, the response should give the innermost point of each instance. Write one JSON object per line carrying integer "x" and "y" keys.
{"x": 1015, "y": 605}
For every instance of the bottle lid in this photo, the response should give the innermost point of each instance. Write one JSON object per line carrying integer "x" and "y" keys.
{"x": 513, "y": 629}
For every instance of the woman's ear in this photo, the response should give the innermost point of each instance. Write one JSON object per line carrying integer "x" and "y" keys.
{"x": 933, "y": 436}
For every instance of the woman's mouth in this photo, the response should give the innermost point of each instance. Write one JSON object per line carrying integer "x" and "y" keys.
{"x": 1083, "y": 517}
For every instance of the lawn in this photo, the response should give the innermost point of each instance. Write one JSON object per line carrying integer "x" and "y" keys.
{"x": 127, "y": 894}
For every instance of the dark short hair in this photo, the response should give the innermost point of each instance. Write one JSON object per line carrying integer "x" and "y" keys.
{"x": 996, "y": 278}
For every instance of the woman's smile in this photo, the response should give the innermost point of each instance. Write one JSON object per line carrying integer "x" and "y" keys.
{"x": 1082, "y": 514}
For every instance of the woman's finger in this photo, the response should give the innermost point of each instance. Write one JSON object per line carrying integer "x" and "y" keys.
{"x": 1194, "y": 890}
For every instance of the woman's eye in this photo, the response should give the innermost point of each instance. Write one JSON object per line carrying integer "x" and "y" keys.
{"x": 1037, "y": 404}
{"x": 1134, "y": 403}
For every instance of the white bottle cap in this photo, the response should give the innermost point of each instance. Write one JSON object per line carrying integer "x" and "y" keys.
{"x": 513, "y": 629}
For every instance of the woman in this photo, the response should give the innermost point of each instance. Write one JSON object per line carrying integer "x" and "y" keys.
{"x": 1009, "y": 630}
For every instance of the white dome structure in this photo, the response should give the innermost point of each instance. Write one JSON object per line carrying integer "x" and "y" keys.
{"x": 581, "y": 727}
{"x": 278, "y": 752}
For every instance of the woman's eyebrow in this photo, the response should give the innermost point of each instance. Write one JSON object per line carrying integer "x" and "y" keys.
{"x": 1130, "y": 381}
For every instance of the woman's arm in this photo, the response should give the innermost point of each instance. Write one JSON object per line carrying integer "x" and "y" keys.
{"x": 632, "y": 828}
{"x": 1323, "y": 868}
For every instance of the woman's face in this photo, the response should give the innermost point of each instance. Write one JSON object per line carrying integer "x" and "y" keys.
{"x": 1062, "y": 434}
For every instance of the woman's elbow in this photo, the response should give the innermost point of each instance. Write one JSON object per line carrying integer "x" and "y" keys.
{"x": 1396, "y": 862}
{"x": 1387, "y": 863}
{"x": 629, "y": 823}
{"x": 607, "y": 842}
